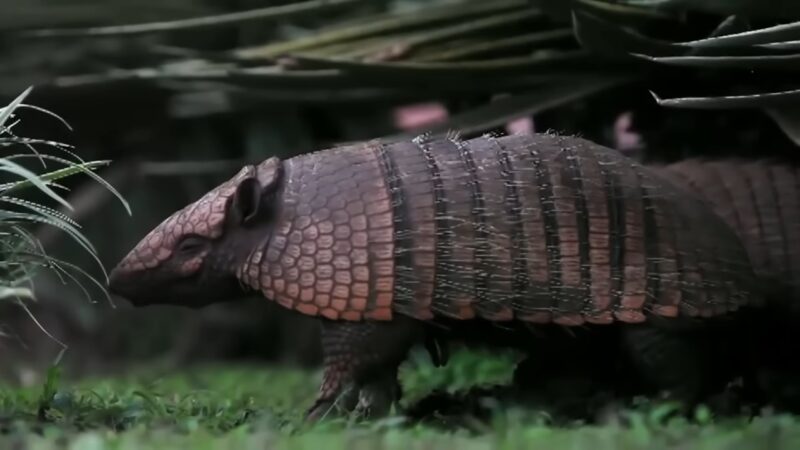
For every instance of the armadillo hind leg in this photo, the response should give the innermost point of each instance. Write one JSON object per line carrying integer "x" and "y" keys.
{"x": 563, "y": 384}
{"x": 361, "y": 361}
{"x": 776, "y": 343}
{"x": 561, "y": 362}
{"x": 691, "y": 366}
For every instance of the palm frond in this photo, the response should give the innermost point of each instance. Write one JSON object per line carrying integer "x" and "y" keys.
{"x": 446, "y": 49}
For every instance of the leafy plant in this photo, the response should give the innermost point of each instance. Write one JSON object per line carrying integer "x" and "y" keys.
{"x": 542, "y": 54}
{"x": 21, "y": 255}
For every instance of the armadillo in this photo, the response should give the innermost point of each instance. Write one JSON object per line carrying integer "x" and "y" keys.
{"x": 382, "y": 240}
{"x": 760, "y": 199}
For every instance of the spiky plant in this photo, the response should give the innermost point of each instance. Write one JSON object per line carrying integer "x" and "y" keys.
{"x": 21, "y": 255}
{"x": 721, "y": 54}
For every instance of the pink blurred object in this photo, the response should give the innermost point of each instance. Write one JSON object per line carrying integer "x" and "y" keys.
{"x": 419, "y": 115}
{"x": 520, "y": 126}
{"x": 625, "y": 139}
{"x": 424, "y": 114}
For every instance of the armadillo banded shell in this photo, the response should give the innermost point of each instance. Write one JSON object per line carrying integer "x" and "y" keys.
{"x": 760, "y": 200}
{"x": 538, "y": 228}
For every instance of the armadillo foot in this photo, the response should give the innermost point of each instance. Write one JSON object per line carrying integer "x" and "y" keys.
{"x": 361, "y": 361}
{"x": 368, "y": 400}
{"x": 331, "y": 405}
{"x": 375, "y": 398}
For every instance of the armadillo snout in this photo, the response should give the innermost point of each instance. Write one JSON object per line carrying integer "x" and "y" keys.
{"x": 121, "y": 284}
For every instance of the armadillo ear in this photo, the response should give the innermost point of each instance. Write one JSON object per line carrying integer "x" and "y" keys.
{"x": 270, "y": 174}
{"x": 246, "y": 201}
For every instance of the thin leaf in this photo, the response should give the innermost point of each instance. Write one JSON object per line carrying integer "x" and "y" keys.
{"x": 278, "y": 12}
{"x": 440, "y": 34}
{"x": 484, "y": 46}
{"x": 10, "y": 139}
{"x": 55, "y": 265}
{"x": 773, "y": 10}
{"x": 28, "y": 260}
{"x": 619, "y": 9}
{"x": 48, "y": 112}
{"x": 788, "y": 119}
{"x": 502, "y": 111}
{"x": 600, "y": 35}
{"x": 49, "y": 177}
{"x": 26, "y": 237}
{"x": 86, "y": 169}
{"x": 777, "y": 33}
{"x": 782, "y": 62}
{"x": 495, "y": 67}
{"x": 9, "y": 292}
{"x": 13, "y": 216}
{"x": 36, "y": 321}
{"x": 6, "y": 112}
{"x": 26, "y": 14}
{"x": 769, "y": 99}
{"x": 15, "y": 140}
{"x": 106, "y": 185}
{"x": 272, "y": 77}
{"x": 302, "y": 82}
{"x": 69, "y": 229}
{"x": 39, "y": 208}
{"x": 786, "y": 45}
{"x": 394, "y": 22}
{"x": 16, "y": 169}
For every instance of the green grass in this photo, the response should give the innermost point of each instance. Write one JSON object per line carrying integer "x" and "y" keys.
{"x": 243, "y": 407}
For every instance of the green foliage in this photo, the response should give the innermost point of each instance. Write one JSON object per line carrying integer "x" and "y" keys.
{"x": 21, "y": 256}
{"x": 261, "y": 407}
{"x": 468, "y": 368}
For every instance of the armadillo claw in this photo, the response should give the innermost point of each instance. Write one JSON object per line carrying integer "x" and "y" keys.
{"x": 332, "y": 406}
{"x": 375, "y": 399}
{"x": 371, "y": 400}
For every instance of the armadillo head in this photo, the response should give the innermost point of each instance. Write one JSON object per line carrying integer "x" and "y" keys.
{"x": 191, "y": 258}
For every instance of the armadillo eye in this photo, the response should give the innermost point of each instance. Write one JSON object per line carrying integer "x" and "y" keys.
{"x": 190, "y": 244}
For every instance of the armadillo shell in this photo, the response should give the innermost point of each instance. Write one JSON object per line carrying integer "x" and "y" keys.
{"x": 536, "y": 228}
{"x": 761, "y": 201}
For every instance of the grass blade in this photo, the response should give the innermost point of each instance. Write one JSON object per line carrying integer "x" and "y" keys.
{"x": 16, "y": 169}
{"x": 86, "y": 168}
{"x": 69, "y": 229}
{"x": 40, "y": 209}
{"x": 51, "y": 176}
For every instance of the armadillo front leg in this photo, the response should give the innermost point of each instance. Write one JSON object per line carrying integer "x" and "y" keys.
{"x": 361, "y": 361}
